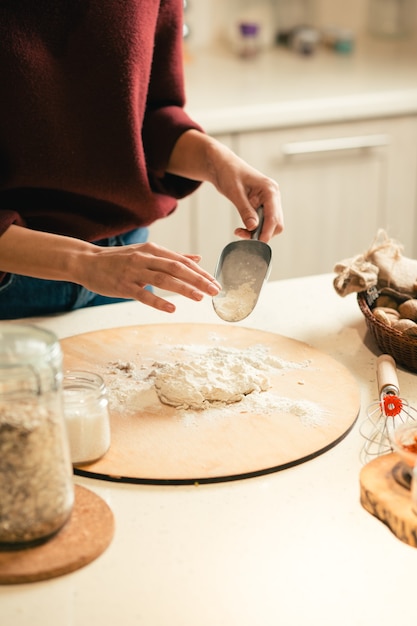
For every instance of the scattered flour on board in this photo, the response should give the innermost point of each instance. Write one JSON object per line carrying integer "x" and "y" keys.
{"x": 209, "y": 381}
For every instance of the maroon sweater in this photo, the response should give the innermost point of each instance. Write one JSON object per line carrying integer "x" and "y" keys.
{"x": 91, "y": 105}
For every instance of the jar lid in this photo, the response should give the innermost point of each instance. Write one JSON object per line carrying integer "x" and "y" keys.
{"x": 26, "y": 344}
{"x": 249, "y": 28}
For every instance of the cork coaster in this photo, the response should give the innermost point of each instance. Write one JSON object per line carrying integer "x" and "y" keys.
{"x": 386, "y": 498}
{"x": 84, "y": 537}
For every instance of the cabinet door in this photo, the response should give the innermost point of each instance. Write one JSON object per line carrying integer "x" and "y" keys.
{"x": 202, "y": 223}
{"x": 215, "y": 219}
{"x": 175, "y": 231}
{"x": 339, "y": 184}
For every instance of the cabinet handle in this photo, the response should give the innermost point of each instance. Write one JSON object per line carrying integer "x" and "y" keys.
{"x": 330, "y": 145}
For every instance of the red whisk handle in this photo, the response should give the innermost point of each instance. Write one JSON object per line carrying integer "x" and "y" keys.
{"x": 391, "y": 405}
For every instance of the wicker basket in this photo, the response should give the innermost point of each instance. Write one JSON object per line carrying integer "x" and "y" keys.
{"x": 401, "y": 347}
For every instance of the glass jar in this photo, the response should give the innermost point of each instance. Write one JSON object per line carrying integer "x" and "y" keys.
{"x": 249, "y": 45}
{"x": 86, "y": 416}
{"x": 36, "y": 484}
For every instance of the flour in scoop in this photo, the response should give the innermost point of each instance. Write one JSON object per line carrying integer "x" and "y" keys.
{"x": 237, "y": 303}
{"x": 242, "y": 275}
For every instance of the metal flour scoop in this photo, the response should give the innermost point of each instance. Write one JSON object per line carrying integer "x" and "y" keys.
{"x": 242, "y": 269}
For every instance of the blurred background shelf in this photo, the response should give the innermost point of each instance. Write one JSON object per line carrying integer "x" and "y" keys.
{"x": 337, "y": 131}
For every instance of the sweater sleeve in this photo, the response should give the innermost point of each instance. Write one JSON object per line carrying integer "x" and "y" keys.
{"x": 165, "y": 117}
{"x": 7, "y": 218}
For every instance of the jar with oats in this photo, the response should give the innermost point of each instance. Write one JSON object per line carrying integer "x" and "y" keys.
{"x": 36, "y": 483}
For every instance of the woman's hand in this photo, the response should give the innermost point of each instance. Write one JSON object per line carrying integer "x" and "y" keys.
{"x": 201, "y": 157}
{"x": 248, "y": 189}
{"x": 125, "y": 272}
{"x": 120, "y": 271}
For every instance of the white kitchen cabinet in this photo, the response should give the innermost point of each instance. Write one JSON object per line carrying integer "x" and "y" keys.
{"x": 339, "y": 184}
{"x": 175, "y": 231}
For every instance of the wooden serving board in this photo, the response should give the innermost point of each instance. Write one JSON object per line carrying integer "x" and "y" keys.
{"x": 160, "y": 444}
{"x": 383, "y": 496}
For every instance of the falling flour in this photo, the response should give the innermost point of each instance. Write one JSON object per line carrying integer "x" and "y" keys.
{"x": 207, "y": 381}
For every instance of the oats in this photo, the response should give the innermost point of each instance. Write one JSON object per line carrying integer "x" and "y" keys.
{"x": 36, "y": 487}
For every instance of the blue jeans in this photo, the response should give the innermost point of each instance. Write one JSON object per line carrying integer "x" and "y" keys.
{"x": 22, "y": 296}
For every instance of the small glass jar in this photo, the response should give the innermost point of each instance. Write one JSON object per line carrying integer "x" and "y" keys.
{"x": 249, "y": 44}
{"x": 36, "y": 479}
{"x": 86, "y": 416}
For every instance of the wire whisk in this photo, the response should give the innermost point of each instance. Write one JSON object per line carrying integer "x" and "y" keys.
{"x": 384, "y": 415}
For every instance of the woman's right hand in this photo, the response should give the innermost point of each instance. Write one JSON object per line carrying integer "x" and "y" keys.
{"x": 125, "y": 271}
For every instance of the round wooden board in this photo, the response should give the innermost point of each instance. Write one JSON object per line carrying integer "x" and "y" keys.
{"x": 162, "y": 445}
{"x": 84, "y": 537}
{"x": 388, "y": 500}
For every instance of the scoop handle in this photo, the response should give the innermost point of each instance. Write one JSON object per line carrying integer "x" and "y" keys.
{"x": 387, "y": 375}
{"x": 255, "y": 233}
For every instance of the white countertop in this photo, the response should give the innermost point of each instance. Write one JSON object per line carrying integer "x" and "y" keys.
{"x": 281, "y": 88}
{"x": 294, "y": 547}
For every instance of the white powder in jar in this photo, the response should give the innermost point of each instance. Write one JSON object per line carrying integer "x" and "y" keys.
{"x": 86, "y": 416}
{"x": 88, "y": 430}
